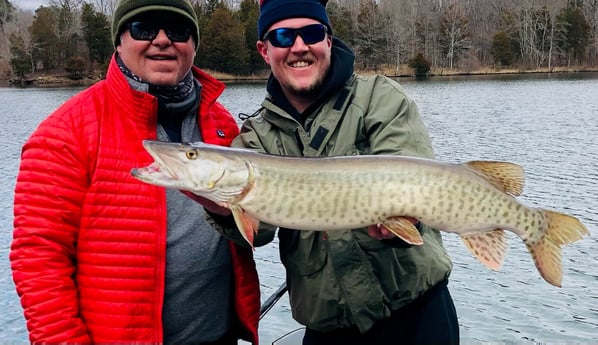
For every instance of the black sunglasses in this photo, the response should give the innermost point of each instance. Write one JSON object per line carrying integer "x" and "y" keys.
{"x": 147, "y": 31}
{"x": 285, "y": 37}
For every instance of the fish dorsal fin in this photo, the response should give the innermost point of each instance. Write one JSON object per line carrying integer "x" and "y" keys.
{"x": 247, "y": 225}
{"x": 488, "y": 247}
{"x": 506, "y": 176}
{"x": 404, "y": 229}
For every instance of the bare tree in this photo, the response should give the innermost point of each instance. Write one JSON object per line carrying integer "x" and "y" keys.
{"x": 106, "y": 7}
{"x": 552, "y": 7}
{"x": 398, "y": 35}
{"x": 370, "y": 35}
{"x": 590, "y": 10}
{"x": 66, "y": 3}
{"x": 428, "y": 15}
{"x": 351, "y": 5}
{"x": 532, "y": 24}
{"x": 445, "y": 32}
{"x": 6, "y": 13}
{"x": 454, "y": 33}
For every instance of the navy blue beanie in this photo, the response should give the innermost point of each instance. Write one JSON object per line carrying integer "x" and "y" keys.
{"x": 273, "y": 11}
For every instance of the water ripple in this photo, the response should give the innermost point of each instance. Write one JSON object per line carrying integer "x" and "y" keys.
{"x": 548, "y": 126}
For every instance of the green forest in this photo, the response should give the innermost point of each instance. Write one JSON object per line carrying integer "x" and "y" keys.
{"x": 396, "y": 37}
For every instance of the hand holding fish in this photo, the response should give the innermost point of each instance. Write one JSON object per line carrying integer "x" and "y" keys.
{"x": 380, "y": 232}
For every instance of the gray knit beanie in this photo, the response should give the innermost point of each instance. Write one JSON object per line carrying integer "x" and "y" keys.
{"x": 127, "y": 9}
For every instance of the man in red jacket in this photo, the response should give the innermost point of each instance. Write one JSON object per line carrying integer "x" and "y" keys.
{"x": 99, "y": 257}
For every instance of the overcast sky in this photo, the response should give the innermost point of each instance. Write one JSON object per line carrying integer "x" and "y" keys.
{"x": 29, "y": 4}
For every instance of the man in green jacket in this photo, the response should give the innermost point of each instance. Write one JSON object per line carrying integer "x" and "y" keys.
{"x": 359, "y": 286}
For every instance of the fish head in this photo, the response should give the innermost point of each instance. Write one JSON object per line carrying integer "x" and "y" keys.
{"x": 206, "y": 170}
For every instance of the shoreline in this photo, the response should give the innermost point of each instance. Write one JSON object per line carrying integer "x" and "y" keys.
{"x": 61, "y": 80}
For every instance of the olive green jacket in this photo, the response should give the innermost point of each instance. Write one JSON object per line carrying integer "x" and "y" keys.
{"x": 346, "y": 278}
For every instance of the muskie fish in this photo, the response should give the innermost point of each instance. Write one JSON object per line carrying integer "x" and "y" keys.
{"x": 473, "y": 199}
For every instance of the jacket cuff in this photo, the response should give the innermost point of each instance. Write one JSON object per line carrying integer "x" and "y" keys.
{"x": 222, "y": 221}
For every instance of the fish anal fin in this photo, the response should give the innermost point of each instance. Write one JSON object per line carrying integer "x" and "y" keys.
{"x": 404, "y": 228}
{"x": 247, "y": 225}
{"x": 506, "y": 176}
{"x": 488, "y": 247}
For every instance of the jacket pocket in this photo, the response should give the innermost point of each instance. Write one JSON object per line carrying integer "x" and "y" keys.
{"x": 302, "y": 252}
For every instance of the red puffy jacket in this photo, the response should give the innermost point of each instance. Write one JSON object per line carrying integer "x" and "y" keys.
{"x": 88, "y": 254}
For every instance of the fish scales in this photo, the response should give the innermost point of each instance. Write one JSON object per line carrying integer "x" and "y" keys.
{"x": 312, "y": 197}
{"x": 344, "y": 197}
{"x": 475, "y": 199}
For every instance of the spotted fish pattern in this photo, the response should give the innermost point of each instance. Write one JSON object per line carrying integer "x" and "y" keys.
{"x": 476, "y": 199}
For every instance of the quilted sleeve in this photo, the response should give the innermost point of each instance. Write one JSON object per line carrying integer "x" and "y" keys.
{"x": 49, "y": 192}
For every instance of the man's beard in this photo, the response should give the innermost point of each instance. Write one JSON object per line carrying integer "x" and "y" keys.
{"x": 308, "y": 93}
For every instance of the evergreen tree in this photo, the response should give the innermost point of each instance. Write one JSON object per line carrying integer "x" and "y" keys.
{"x": 573, "y": 32}
{"x": 96, "y": 33}
{"x": 21, "y": 59}
{"x": 501, "y": 49}
{"x": 420, "y": 65}
{"x": 506, "y": 24}
{"x": 66, "y": 30}
{"x": 380, "y": 31}
{"x": 248, "y": 14}
{"x": 203, "y": 19}
{"x": 44, "y": 39}
{"x": 75, "y": 66}
{"x": 224, "y": 51}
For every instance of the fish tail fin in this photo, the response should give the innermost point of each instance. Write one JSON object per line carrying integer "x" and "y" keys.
{"x": 561, "y": 230}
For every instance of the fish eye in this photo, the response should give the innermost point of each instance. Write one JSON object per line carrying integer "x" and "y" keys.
{"x": 192, "y": 154}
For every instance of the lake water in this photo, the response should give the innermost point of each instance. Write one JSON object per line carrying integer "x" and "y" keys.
{"x": 548, "y": 124}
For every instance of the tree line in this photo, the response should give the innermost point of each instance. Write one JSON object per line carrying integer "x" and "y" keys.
{"x": 467, "y": 35}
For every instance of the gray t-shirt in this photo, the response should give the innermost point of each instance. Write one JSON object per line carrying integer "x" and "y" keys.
{"x": 198, "y": 286}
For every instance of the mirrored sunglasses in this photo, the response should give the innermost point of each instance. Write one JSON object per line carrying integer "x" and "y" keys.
{"x": 285, "y": 37}
{"x": 147, "y": 31}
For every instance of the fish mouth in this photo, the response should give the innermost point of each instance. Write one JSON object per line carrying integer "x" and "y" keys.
{"x": 150, "y": 172}
{"x": 158, "y": 171}
{"x": 155, "y": 173}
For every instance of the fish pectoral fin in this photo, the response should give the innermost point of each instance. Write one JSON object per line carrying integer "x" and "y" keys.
{"x": 489, "y": 248}
{"x": 247, "y": 225}
{"x": 403, "y": 228}
{"x": 507, "y": 177}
